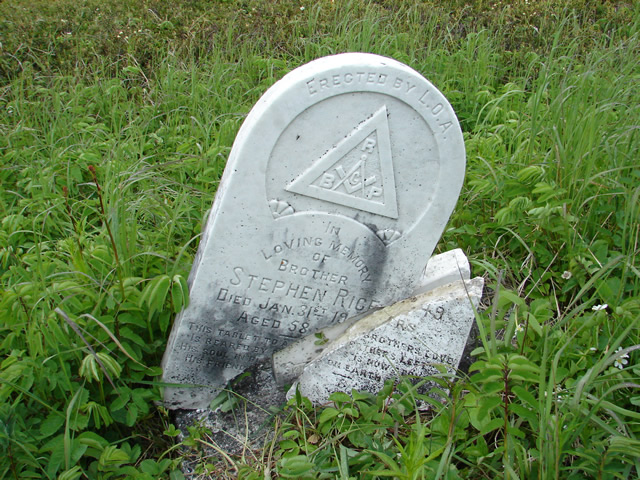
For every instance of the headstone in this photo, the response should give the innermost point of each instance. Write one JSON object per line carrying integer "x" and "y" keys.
{"x": 339, "y": 184}
{"x": 288, "y": 363}
{"x": 408, "y": 338}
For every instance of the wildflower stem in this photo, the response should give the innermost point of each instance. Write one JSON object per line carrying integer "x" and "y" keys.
{"x": 76, "y": 230}
{"x": 111, "y": 238}
{"x": 505, "y": 376}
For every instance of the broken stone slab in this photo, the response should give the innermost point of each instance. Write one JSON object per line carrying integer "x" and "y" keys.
{"x": 407, "y": 338}
{"x": 337, "y": 189}
{"x": 447, "y": 267}
{"x": 288, "y": 363}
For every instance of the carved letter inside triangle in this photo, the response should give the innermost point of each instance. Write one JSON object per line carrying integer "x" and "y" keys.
{"x": 357, "y": 172}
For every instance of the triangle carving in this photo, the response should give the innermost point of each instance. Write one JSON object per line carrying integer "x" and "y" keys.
{"x": 357, "y": 172}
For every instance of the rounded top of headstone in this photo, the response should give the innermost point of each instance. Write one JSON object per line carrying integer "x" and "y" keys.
{"x": 361, "y": 136}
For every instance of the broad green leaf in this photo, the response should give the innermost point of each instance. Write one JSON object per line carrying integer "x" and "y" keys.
{"x": 176, "y": 475}
{"x": 110, "y": 364}
{"x": 179, "y": 293}
{"x": 155, "y": 293}
{"x": 295, "y": 467}
{"x": 340, "y": 397}
{"x": 388, "y": 461}
{"x": 351, "y": 412}
{"x": 515, "y": 431}
{"x": 89, "y": 368}
{"x": 51, "y": 425}
{"x": 488, "y": 404}
{"x": 291, "y": 434}
{"x": 112, "y": 456}
{"x": 480, "y": 365}
{"x": 358, "y": 396}
{"x": 132, "y": 69}
{"x": 164, "y": 320}
{"x": 625, "y": 445}
{"x": 132, "y": 415}
{"x": 122, "y": 399}
{"x": 525, "y": 396}
{"x": 93, "y": 440}
{"x": 150, "y": 467}
{"x": 511, "y": 297}
{"x": 56, "y": 459}
{"x": 327, "y": 414}
{"x": 492, "y": 425}
{"x": 530, "y": 173}
{"x": 524, "y": 376}
{"x": 479, "y": 448}
{"x": 71, "y": 474}
{"x": 492, "y": 388}
{"x": 486, "y": 375}
{"x": 288, "y": 444}
{"x": 533, "y": 324}
{"x": 522, "y": 363}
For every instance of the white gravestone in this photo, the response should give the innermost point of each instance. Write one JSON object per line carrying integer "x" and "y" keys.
{"x": 408, "y": 338}
{"x": 337, "y": 189}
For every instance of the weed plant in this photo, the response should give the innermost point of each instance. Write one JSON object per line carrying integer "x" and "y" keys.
{"x": 116, "y": 119}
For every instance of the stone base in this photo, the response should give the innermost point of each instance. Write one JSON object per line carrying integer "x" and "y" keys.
{"x": 246, "y": 422}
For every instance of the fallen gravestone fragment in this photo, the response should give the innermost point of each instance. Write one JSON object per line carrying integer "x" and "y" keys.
{"x": 337, "y": 189}
{"x": 448, "y": 267}
{"x": 288, "y": 363}
{"x": 408, "y": 338}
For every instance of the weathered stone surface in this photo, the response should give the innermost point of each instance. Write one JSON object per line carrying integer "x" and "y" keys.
{"x": 337, "y": 188}
{"x": 288, "y": 363}
{"x": 448, "y": 267}
{"x": 407, "y": 338}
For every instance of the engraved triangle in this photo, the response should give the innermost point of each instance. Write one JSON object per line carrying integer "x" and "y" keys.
{"x": 357, "y": 172}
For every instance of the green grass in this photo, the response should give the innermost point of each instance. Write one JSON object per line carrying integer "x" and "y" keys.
{"x": 149, "y": 96}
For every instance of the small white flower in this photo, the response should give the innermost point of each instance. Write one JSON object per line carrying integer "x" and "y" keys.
{"x": 597, "y": 308}
{"x": 621, "y": 361}
{"x": 519, "y": 328}
{"x": 302, "y": 9}
{"x": 557, "y": 391}
{"x": 566, "y": 275}
{"x": 593, "y": 349}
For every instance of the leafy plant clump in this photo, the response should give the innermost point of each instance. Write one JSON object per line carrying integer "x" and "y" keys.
{"x": 116, "y": 119}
